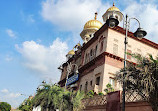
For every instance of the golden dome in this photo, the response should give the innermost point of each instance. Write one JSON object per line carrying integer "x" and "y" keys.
{"x": 71, "y": 52}
{"x": 93, "y": 23}
{"x": 113, "y": 8}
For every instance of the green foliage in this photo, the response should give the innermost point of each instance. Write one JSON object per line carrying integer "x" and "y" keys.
{"x": 142, "y": 78}
{"x": 54, "y": 97}
{"x": 76, "y": 100}
{"x": 26, "y": 105}
{"x": 90, "y": 94}
{"x": 4, "y": 106}
{"x": 109, "y": 88}
{"x": 100, "y": 94}
{"x": 47, "y": 97}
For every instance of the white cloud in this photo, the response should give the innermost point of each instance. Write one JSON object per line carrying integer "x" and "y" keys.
{"x": 71, "y": 15}
{"x": 10, "y": 33}
{"x": 4, "y": 91}
{"x": 44, "y": 60}
{"x": 8, "y": 94}
{"x": 10, "y": 97}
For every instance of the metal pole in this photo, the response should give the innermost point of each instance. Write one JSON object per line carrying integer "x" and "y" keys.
{"x": 125, "y": 42}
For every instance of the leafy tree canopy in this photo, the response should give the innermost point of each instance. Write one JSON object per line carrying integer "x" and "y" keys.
{"x": 4, "y": 106}
{"x": 26, "y": 105}
{"x": 54, "y": 97}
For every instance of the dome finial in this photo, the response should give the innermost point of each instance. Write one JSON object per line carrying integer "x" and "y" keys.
{"x": 113, "y": 3}
{"x": 95, "y": 15}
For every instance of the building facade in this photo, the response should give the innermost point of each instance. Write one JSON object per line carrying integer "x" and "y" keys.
{"x": 101, "y": 56}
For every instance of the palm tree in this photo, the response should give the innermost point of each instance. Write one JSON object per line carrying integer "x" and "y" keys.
{"x": 69, "y": 101}
{"x": 52, "y": 97}
{"x": 46, "y": 97}
{"x": 142, "y": 78}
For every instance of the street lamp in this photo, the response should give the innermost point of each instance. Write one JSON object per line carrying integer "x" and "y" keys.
{"x": 112, "y": 19}
{"x": 69, "y": 69}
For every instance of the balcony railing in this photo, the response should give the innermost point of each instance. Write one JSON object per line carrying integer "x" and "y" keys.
{"x": 95, "y": 101}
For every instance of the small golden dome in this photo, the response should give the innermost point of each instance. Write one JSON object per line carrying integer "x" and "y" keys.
{"x": 113, "y": 8}
{"x": 93, "y": 23}
{"x": 71, "y": 52}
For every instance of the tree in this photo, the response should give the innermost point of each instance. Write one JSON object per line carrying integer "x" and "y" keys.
{"x": 77, "y": 100}
{"x": 26, "y": 105}
{"x": 4, "y": 106}
{"x": 52, "y": 97}
{"x": 142, "y": 78}
{"x": 46, "y": 97}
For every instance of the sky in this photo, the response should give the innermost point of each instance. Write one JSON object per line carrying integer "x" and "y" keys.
{"x": 35, "y": 36}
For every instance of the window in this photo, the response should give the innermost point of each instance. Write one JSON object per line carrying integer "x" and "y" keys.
{"x": 112, "y": 82}
{"x": 101, "y": 47}
{"x": 98, "y": 80}
{"x": 86, "y": 86}
{"x": 91, "y": 82}
{"x": 96, "y": 50}
{"x": 91, "y": 52}
{"x": 115, "y": 49}
{"x": 88, "y": 57}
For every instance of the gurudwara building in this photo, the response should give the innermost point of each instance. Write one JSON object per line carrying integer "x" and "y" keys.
{"x": 101, "y": 56}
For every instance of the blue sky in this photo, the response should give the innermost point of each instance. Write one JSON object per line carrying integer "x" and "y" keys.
{"x": 35, "y": 36}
